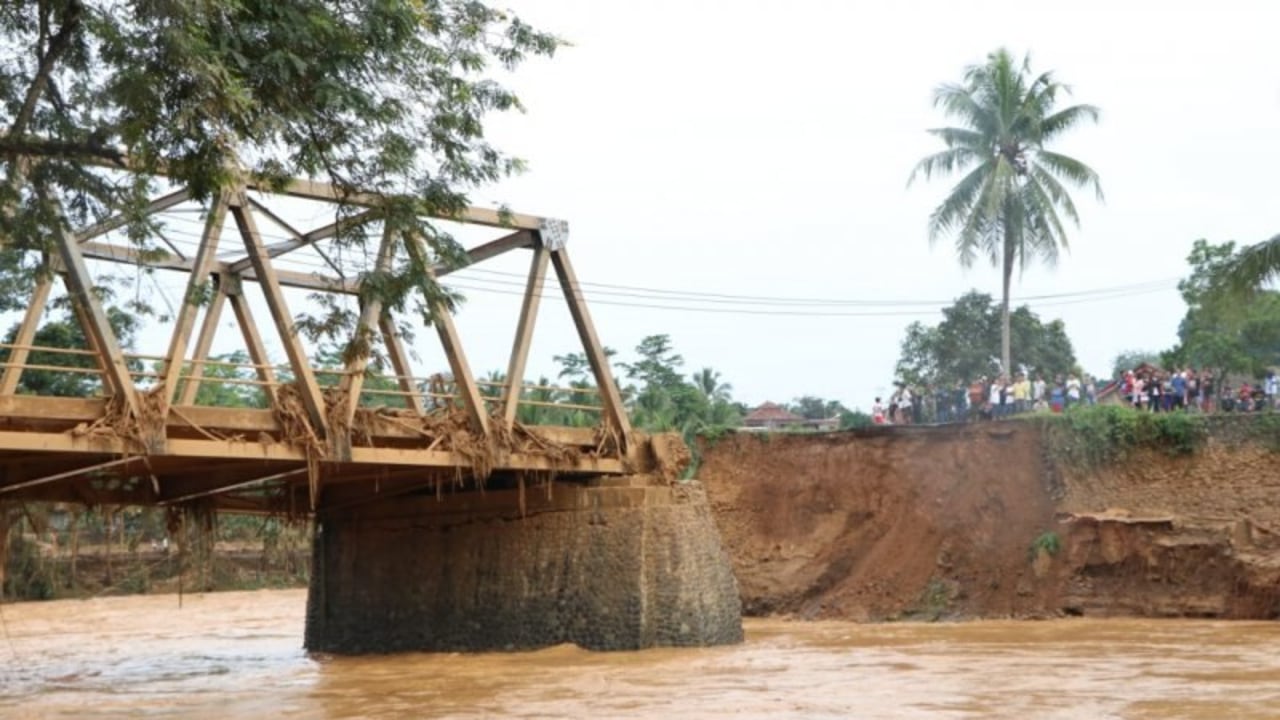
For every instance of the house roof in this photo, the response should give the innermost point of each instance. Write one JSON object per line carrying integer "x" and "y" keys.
{"x": 772, "y": 412}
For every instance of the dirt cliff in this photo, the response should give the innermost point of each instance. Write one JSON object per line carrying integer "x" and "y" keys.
{"x": 977, "y": 521}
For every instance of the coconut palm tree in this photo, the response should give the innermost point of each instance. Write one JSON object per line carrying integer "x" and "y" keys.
{"x": 708, "y": 383}
{"x": 1010, "y": 201}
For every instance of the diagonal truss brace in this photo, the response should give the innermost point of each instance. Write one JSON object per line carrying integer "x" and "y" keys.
{"x": 197, "y": 286}
{"x": 308, "y": 387}
{"x": 97, "y": 327}
{"x": 524, "y": 335}
{"x": 366, "y": 329}
{"x": 615, "y": 413}
{"x": 442, "y": 319}
{"x": 26, "y": 335}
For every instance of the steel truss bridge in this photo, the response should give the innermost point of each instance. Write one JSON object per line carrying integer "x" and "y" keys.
{"x": 144, "y": 439}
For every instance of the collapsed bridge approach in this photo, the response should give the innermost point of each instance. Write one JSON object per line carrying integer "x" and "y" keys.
{"x": 443, "y": 521}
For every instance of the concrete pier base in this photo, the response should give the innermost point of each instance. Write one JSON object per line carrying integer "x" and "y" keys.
{"x": 619, "y": 566}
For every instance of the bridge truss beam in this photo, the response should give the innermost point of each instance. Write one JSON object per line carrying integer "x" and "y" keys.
{"x": 47, "y": 443}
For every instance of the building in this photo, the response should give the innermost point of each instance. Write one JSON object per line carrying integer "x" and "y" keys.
{"x": 772, "y": 416}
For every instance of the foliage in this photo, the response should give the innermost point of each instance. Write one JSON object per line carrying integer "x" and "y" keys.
{"x": 1090, "y": 437}
{"x": 1130, "y": 359}
{"x": 1264, "y": 429}
{"x": 662, "y": 398}
{"x": 1220, "y": 331}
{"x": 29, "y": 576}
{"x": 1253, "y": 267}
{"x": 962, "y": 347}
{"x": 1010, "y": 202}
{"x": 378, "y": 390}
{"x": 934, "y": 600}
{"x": 816, "y": 408}
{"x": 1047, "y": 542}
{"x": 214, "y": 391}
{"x": 811, "y": 407}
{"x": 852, "y": 419}
{"x": 387, "y": 98}
{"x": 62, "y": 330}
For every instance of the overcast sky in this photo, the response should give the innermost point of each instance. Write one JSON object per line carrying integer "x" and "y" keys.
{"x": 763, "y": 149}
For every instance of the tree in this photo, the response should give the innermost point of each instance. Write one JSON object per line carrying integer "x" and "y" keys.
{"x": 811, "y": 407}
{"x": 1010, "y": 202}
{"x": 816, "y": 408}
{"x": 709, "y": 384}
{"x": 377, "y": 390}
{"x": 64, "y": 332}
{"x": 215, "y": 392}
{"x": 385, "y": 98}
{"x": 960, "y": 348}
{"x": 661, "y": 398}
{"x": 719, "y": 410}
{"x": 1130, "y": 359}
{"x": 576, "y": 367}
{"x": 1219, "y": 331}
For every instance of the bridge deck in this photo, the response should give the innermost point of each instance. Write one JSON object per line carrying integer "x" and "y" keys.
{"x": 58, "y": 449}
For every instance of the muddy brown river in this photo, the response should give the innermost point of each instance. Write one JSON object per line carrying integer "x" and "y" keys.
{"x": 238, "y": 655}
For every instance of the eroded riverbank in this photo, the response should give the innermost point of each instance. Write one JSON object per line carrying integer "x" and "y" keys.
{"x": 993, "y": 521}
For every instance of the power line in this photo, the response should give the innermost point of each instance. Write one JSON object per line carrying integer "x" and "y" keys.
{"x": 785, "y": 313}
{"x": 665, "y": 298}
{"x": 835, "y": 301}
{"x": 718, "y": 298}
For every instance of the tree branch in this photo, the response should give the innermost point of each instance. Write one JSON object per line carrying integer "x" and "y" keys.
{"x": 38, "y": 147}
{"x": 58, "y": 45}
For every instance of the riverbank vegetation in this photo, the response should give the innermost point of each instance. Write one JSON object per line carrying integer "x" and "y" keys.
{"x": 58, "y": 550}
{"x": 1086, "y": 438}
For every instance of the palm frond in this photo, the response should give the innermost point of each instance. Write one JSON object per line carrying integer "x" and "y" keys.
{"x": 1254, "y": 266}
{"x": 981, "y": 227}
{"x": 958, "y": 101}
{"x": 1061, "y": 198}
{"x": 1066, "y": 119}
{"x": 954, "y": 211}
{"x": 1078, "y": 173}
{"x": 1048, "y": 235}
{"x": 942, "y": 163}
{"x": 1004, "y": 180}
{"x": 962, "y": 137}
{"x": 1041, "y": 96}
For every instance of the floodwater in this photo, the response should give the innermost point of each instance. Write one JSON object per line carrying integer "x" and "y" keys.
{"x": 238, "y": 655}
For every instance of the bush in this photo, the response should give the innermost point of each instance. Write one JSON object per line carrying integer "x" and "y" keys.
{"x": 29, "y": 577}
{"x": 1091, "y": 437}
{"x": 1048, "y": 541}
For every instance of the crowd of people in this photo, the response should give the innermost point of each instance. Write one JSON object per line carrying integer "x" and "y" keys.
{"x": 1145, "y": 388}
{"x": 1158, "y": 390}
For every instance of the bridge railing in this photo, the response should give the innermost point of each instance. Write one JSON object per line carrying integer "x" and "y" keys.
{"x": 436, "y": 390}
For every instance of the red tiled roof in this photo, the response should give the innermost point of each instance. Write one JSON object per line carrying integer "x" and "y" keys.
{"x": 772, "y": 412}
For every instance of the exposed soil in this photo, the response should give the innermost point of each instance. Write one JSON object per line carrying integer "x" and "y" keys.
{"x": 969, "y": 521}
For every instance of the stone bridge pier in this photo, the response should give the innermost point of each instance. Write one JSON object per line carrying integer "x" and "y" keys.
{"x": 609, "y": 564}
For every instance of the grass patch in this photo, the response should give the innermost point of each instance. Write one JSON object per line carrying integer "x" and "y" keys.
{"x": 1264, "y": 429}
{"x": 1093, "y": 437}
{"x": 933, "y": 603}
{"x": 1048, "y": 541}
